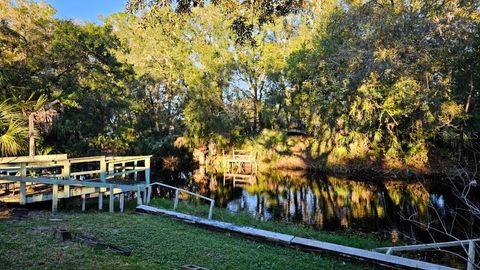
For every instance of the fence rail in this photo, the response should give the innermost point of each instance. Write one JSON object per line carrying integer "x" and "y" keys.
{"x": 468, "y": 245}
{"x": 177, "y": 194}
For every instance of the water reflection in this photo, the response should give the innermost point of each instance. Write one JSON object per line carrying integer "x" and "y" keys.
{"x": 329, "y": 202}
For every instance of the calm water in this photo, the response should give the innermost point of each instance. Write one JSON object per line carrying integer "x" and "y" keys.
{"x": 379, "y": 206}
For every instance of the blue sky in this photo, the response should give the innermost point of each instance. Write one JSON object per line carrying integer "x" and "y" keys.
{"x": 86, "y": 10}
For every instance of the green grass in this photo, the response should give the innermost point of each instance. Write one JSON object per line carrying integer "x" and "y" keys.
{"x": 348, "y": 238}
{"x": 157, "y": 242}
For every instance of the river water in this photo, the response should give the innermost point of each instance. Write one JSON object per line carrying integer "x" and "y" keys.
{"x": 390, "y": 208}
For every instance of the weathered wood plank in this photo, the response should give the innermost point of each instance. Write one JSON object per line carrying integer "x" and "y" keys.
{"x": 310, "y": 244}
{"x": 28, "y": 159}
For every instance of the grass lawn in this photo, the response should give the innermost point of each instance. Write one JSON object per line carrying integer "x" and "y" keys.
{"x": 156, "y": 242}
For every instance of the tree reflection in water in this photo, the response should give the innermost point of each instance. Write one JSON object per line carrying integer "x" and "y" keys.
{"x": 332, "y": 203}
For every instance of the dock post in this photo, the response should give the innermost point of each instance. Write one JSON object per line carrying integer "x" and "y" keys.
{"x": 23, "y": 184}
{"x": 149, "y": 194}
{"x": 83, "y": 202}
{"x": 103, "y": 170}
{"x": 135, "y": 174}
{"x": 111, "y": 199}
{"x": 122, "y": 202}
{"x": 210, "y": 211}
{"x": 55, "y": 199}
{"x": 123, "y": 170}
{"x": 100, "y": 200}
{"x": 66, "y": 175}
{"x": 139, "y": 196}
{"x": 147, "y": 171}
{"x": 175, "y": 204}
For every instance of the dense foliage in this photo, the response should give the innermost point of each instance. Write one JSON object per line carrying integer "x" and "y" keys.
{"x": 391, "y": 82}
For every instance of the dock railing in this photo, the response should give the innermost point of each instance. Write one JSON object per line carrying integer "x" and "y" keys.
{"x": 467, "y": 245}
{"x": 92, "y": 177}
{"x": 177, "y": 196}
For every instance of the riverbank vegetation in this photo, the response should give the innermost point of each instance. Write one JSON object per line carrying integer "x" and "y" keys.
{"x": 165, "y": 79}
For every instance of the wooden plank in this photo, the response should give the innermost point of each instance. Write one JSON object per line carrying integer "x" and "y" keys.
{"x": 310, "y": 244}
{"x": 86, "y": 159}
{"x": 365, "y": 254}
{"x": 29, "y": 159}
{"x": 125, "y": 172}
{"x": 85, "y": 172}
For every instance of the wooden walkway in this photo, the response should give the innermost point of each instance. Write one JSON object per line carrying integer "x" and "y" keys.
{"x": 240, "y": 168}
{"x": 299, "y": 242}
{"x": 31, "y": 179}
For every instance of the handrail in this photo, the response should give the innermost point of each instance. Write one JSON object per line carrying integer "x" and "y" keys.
{"x": 177, "y": 193}
{"x": 469, "y": 243}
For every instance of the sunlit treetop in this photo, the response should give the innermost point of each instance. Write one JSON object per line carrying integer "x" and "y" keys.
{"x": 247, "y": 14}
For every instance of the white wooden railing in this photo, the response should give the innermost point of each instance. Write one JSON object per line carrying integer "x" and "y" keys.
{"x": 438, "y": 246}
{"x": 177, "y": 196}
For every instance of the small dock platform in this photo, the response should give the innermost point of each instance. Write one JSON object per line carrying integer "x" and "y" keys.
{"x": 240, "y": 168}
{"x": 30, "y": 179}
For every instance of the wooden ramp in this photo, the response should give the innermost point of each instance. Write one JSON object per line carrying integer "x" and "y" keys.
{"x": 293, "y": 241}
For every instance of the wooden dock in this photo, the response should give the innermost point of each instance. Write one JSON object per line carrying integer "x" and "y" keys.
{"x": 240, "y": 168}
{"x": 298, "y": 242}
{"x": 31, "y": 179}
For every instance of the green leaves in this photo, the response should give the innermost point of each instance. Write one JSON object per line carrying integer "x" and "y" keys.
{"x": 13, "y": 130}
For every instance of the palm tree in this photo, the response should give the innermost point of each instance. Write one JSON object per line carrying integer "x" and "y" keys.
{"x": 13, "y": 130}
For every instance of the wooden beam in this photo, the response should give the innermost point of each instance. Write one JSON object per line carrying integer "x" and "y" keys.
{"x": 28, "y": 159}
